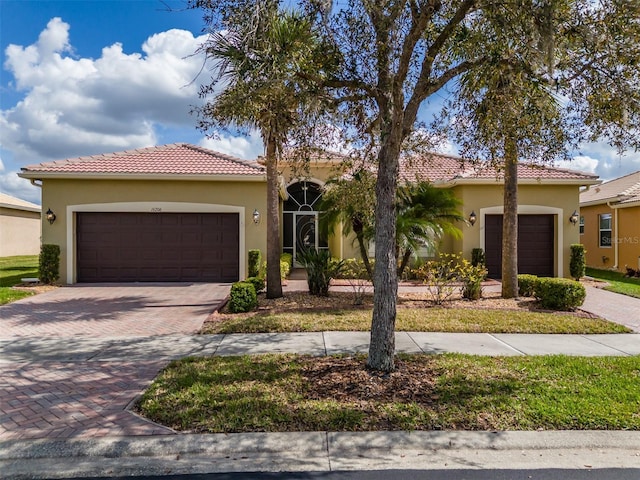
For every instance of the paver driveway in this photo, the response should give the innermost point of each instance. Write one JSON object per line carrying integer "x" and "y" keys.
{"x": 113, "y": 310}
{"x": 75, "y": 395}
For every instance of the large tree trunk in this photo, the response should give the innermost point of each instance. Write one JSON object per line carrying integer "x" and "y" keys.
{"x": 510, "y": 221}
{"x": 382, "y": 346}
{"x": 274, "y": 283}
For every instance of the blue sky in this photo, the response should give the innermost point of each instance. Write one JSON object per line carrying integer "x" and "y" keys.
{"x": 96, "y": 76}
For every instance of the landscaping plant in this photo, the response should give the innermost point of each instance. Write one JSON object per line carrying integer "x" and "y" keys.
{"x": 243, "y": 297}
{"x": 255, "y": 259}
{"x": 560, "y": 293}
{"x": 578, "y": 262}
{"x": 321, "y": 268}
{"x": 49, "y": 263}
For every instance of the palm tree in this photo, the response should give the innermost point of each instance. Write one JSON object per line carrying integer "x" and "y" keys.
{"x": 261, "y": 67}
{"x": 350, "y": 202}
{"x": 425, "y": 214}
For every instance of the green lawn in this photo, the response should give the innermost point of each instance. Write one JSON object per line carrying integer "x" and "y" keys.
{"x": 416, "y": 320}
{"x": 619, "y": 283}
{"x": 12, "y": 269}
{"x": 426, "y": 392}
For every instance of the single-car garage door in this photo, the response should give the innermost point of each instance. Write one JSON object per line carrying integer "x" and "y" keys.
{"x": 157, "y": 247}
{"x": 536, "y": 245}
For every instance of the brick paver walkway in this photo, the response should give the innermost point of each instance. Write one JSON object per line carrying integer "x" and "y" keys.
{"x": 44, "y": 398}
{"x": 112, "y": 310}
{"x": 70, "y": 399}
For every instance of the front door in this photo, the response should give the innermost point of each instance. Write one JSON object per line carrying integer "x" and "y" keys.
{"x": 306, "y": 235}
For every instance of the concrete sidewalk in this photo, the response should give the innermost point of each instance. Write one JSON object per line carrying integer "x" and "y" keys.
{"x": 168, "y": 347}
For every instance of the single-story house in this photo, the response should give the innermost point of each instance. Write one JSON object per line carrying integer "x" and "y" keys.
{"x": 184, "y": 213}
{"x": 610, "y": 223}
{"x": 19, "y": 227}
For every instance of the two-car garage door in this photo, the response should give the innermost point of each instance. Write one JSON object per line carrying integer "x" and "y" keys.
{"x": 157, "y": 247}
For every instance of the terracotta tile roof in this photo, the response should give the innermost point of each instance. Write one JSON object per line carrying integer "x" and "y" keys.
{"x": 173, "y": 159}
{"x": 621, "y": 190}
{"x": 7, "y": 201}
{"x": 438, "y": 168}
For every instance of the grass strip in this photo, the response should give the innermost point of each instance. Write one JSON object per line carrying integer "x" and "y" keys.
{"x": 618, "y": 282}
{"x": 462, "y": 320}
{"x": 12, "y": 270}
{"x": 426, "y": 392}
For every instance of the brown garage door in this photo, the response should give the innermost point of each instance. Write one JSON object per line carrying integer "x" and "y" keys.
{"x": 535, "y": 245}
{"x": 157, "y": 247}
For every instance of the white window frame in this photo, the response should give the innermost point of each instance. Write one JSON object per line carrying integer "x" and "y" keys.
{"x": 601, "y": 217}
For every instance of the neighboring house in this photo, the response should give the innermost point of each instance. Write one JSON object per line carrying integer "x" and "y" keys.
{"x": 19, "y": 227}
{"x": 610, "y": 223}
{"x": 184, "y": 213}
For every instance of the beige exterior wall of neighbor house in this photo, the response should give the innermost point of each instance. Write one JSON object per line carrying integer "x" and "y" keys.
{"x": 597, "y": 256}
{"x": 625, "y": 237}
{"x": 628, "y": 237}
{"x": 19, "y": 232}
{"x": 66, "y": 197}
{"x": 558, "y": 200}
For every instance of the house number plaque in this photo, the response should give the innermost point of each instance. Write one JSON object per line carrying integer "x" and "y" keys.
{"x": 156, "y": 210}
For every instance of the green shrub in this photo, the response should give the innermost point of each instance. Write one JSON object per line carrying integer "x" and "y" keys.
{"x": 49, "y": 263}
{"x": 243, "y": 297}
{"x": 478, "y": 257}
{"x": 257, "y": 282}
{"x": 286, "y": 263}
{"x": 321, "y": 268}
{"x": 578, "y": 262}
{"x": 560, "y": 293}
{"x": 440, "y": 276}
{"x": 355, "y": 272}
{"x": 471, "y": 277}
{"x": 255, "y": 258}
{"x": 527, "y": 285}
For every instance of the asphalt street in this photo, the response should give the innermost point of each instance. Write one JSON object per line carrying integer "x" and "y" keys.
{"x": 542, "y": 474}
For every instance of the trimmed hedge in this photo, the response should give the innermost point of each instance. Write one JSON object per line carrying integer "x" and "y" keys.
{"x": 243, "y": 297}
{"x": 257, "y": 282}
{"x": 49, "y": 263}
{"x": 578, "y": 262}
{"x": 527, "y": 285}
{"x": 255, "y": 258}
{"x": 560, "y": 293}
{"x": 286, "y": 263}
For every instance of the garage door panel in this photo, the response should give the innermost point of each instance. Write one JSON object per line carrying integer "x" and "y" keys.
{"x": 536, "y": 244}
{"x": 127, "y": 247}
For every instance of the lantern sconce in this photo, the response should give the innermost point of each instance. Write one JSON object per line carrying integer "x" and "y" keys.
{"x": 574, "y": 218}
{"x": 51, "y": 217}
{"x": 256, "y": 216}
{"x": 473, "y": 218}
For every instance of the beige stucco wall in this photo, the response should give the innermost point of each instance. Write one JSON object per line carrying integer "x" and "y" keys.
{"x": 559, "y": 200}
{"x": 625, "y": 234}
{"x": 596, "y": 256}
{"x": 628, "y": 237}
{"x": 65, "y": 197}
{"x": 19, "y": 232}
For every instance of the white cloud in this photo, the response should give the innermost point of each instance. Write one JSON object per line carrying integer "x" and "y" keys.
{"x": 245, "y": 147}
{"x": 580, "y": 163}
{"x": 610, "y": 164}
{"x": 77, "y": 106}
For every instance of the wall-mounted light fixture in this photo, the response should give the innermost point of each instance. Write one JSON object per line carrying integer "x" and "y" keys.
{"x": 256, "y": 216}
{"x": 51, "y": 217}
{"x": 473, "y": 218}
{"x": 574, "y": 217}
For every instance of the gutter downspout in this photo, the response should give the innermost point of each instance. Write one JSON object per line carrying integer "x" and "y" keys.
{"x": 615, "y": 233}
{"x": 33, "y": 182}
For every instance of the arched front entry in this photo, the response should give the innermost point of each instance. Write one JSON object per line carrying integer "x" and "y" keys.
{"x": 300, "y": 219}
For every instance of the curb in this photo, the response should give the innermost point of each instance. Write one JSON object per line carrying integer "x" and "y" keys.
{"x": 318, "y": 451}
